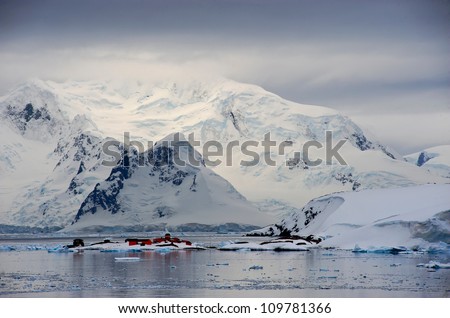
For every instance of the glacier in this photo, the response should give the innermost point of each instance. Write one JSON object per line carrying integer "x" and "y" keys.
{"x": 436, "y": 160}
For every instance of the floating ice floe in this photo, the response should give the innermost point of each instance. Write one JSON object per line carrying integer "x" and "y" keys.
{"x": 255, "y": 267}
{"x": 60, "y": 249}
{"x": 435, "y": 265}
{"x": 127, "y": 259}
{"x": 22, "y": 247}
{"x": 218, "y": 264}
{"x": 382, "y": 250}
{"x": 273, "y": 245}
{"x": 433, "y": 248}
{"x": 7, "y": 248}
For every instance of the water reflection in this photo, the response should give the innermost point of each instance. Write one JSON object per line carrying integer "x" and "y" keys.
{"x": 212, "y": 273}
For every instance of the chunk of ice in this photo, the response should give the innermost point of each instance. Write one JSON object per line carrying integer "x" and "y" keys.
{"x": 436, "y": 265}
{"x": 255, "y": 267}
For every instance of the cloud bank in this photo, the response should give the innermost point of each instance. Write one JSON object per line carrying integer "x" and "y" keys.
{"x": 384, "y": 63}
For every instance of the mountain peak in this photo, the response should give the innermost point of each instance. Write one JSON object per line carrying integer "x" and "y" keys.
{"x": 163, "y": 193}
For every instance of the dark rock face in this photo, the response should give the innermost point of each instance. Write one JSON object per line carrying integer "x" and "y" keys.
{"x": 21, "y": 117}
{"x": 159, "y": 168}
{"x": 364, "y": 144}
{"x": 74, "y": 183}
{"x": 84, "y": 146}
{"x": 163, "y": 212}
{"x": 236, "y": 118}
{"x": 296, "y": 162}
{"x": 234, "y": 121}
{"x": 30, "y": 113}
{"x": 345, "y": 178}
{"x": 105, "y": 197}
{"x": 310, "y": 215}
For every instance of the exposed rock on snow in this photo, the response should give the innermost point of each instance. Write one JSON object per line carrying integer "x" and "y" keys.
{"x": 436, "y": 160}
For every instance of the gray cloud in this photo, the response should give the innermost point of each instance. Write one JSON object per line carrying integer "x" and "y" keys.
{"x": 367, "y": 58}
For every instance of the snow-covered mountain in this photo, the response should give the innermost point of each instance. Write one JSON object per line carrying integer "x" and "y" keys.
{"x": 53, "y": 134}
{"x": 153, "y": 191}
{"x": 435, "y": 160}
{"x": 375, "y": 219}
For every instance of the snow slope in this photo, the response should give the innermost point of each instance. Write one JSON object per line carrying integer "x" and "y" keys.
{"x": 435, "y": 160}
{"x": 373, "y": 219}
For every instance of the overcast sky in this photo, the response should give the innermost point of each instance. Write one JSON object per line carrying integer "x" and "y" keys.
{"x": 386, "y": 64}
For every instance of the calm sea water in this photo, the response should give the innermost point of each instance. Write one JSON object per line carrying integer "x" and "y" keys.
{"x": 212, "y": 273}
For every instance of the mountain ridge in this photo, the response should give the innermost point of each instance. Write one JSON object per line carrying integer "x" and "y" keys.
{"x": 62, "y": 165}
